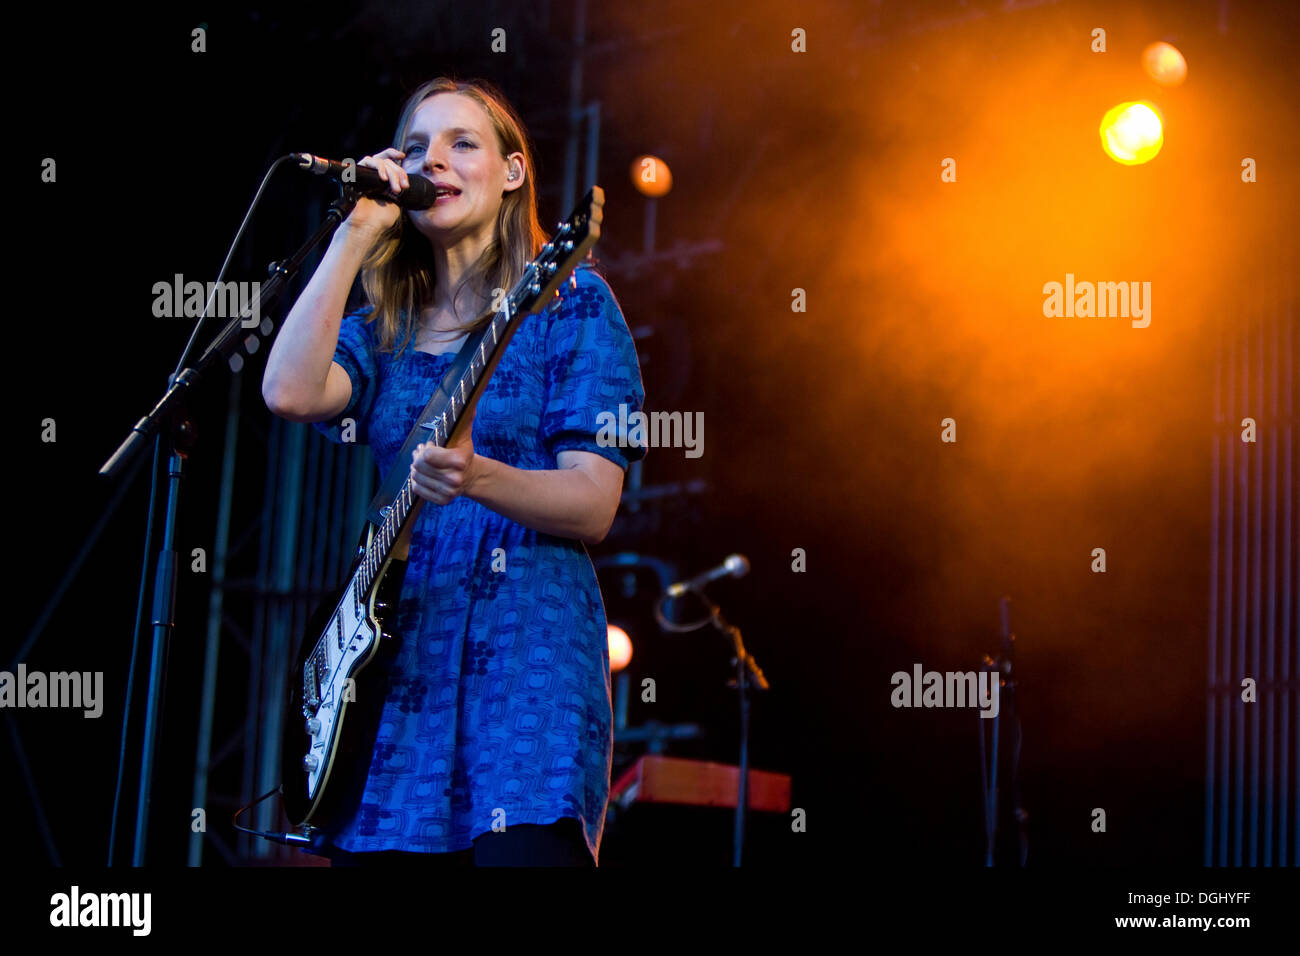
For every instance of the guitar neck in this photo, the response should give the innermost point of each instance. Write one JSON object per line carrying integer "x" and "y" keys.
{"x": 392, "y": 537}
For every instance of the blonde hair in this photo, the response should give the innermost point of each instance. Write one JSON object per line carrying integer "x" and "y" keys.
{"x": 397, "y": 274}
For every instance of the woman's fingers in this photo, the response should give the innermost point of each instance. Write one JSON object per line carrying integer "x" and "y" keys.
{"x": 400, "y": 173}
{"x": 432, "y": 490}
{"x": 438, "y": 474}
{"x": 433, "y": 459}
{"x": 390, "y": 170}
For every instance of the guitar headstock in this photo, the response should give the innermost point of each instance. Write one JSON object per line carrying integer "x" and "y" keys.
{"x": 558, "y": 258}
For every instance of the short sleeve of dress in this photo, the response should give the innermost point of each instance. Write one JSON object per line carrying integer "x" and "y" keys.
{"x": 355, "y": 353}
{"x": 593, "y": 380}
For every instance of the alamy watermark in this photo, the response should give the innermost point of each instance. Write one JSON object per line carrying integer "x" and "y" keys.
{"x": 946, "y": 689}
{"x": 1099, "y": 299}
{"x": 181, "y": 299}
{"x": 38, "y": 689}
{"x": 78, "y": 909}
{"x": 652, "y": 430}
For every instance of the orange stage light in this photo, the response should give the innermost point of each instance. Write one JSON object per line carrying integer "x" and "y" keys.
{"x": 651, "y": 176}
{"x": 1164, "y": 64}
{"x": 1132, "y": 133}
{"x": 620, "y": 648}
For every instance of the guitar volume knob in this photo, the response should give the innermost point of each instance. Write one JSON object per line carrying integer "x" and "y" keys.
{"x": 313, "y": 726}
{"x": 310, "y": 763}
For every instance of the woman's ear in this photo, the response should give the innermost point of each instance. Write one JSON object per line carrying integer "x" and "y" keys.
{"x": 515, "y": 172}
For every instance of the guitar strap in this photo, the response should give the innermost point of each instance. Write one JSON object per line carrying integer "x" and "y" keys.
{"x": 397, "y": 475}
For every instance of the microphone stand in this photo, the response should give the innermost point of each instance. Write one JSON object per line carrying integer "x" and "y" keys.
{"x": 174, "y": 436}
{"x": 747, "y": 671}
{"x": 1000, "y": 669}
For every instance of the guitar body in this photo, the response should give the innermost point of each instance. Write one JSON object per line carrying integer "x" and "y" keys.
{"x": 336, "y": 697}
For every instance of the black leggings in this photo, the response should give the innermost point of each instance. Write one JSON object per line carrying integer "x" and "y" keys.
{"x": 524, "y": 844}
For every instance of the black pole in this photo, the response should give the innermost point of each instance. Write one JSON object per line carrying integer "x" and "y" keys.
{"x": 742, "y": 797}
{"x": 164, "y": 606}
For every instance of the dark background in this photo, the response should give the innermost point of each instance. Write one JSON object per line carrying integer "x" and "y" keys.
{"x": 816, "y": 171}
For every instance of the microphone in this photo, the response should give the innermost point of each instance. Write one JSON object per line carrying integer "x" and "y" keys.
{"x": 419, "y": 195}
{"x": 736, "y": 566}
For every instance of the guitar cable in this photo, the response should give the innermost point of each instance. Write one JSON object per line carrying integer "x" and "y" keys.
{"x": 289, "y": 839}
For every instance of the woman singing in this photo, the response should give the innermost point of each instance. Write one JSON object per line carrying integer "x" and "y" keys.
{"x": 495, "y": 742}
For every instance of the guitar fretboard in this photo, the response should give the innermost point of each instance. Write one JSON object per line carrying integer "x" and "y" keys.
{"x": 440, "y": 427}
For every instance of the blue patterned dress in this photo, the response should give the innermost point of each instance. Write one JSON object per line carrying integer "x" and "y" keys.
{"x": 499, "y": 701}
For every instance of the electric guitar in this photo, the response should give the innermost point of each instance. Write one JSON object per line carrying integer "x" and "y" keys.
{"x": 337, "y": 690}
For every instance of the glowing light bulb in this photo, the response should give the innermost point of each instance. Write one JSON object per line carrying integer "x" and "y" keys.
{"x": 620, "y": 648}
{"x": 651, "y": 176}
{"x": 1164, "y": 64}
{"x": 1132, "y": 133}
